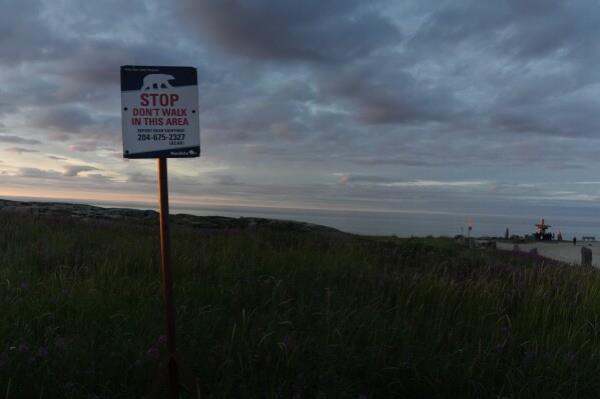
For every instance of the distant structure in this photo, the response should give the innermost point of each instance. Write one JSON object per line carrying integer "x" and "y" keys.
{"x": 559, "y": 236}
{"x": 541, "y": 234}
{"x": 588, "y": 238}
{"x": 506, "y": 234}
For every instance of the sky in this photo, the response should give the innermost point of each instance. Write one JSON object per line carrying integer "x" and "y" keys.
{"x": 459, "y": 110}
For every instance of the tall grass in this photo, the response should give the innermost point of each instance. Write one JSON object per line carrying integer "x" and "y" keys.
{"x": 287, "y": 315}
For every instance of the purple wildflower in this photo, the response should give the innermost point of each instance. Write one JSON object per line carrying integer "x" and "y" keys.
{"x": 3, "y": 359}
{"x": 153, "y": 353}
{"x": 23, "y": 348}
{"x": 24, "y": 285}
{"x": 162, "y": 340}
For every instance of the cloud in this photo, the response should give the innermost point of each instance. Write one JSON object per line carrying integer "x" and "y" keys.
{"x": 71, "y": 118}
{"x": 83, "y": 147}
{"x": 142, "y": 178}
{"x": 75, "y": 170}
{"x": 20, "y": 150}
{"x": 310, "y": 30}
{"x": 383, "y": 181}
{"x": 225, "y": 180}
{"x": 423, "y": 102}
{"x": 4, "y": 138}
{"x": 99, "y": 177}
{"x": 349, "y": 178}
{"x": 28, "y": 44}
{"x": 385, "y": 94}
{"x": 37, "y": 173}
{"x": 523, "y": 29}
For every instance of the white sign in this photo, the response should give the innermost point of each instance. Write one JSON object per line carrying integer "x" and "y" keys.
{"x": 159, "y": 108}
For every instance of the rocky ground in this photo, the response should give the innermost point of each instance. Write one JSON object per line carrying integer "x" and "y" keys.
{"x": 94, "y": 213}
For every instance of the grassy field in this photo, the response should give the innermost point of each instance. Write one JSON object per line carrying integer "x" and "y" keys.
{"x": 270, "y": 314}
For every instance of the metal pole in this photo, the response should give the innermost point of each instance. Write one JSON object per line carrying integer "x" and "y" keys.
{"x": 167, "y": 280}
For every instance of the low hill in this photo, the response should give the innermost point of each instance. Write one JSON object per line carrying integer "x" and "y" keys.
{"x": 94, "y": 213}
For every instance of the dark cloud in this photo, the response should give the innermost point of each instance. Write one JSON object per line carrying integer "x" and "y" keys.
{"x": 25, "y": 35}
{"x": 69, "y": 119}
{"x": 141, "y": 178}
{"x": 75, "y": 170}
{"x": 94, "y": 66}
{"x": 454, "y": 93}
{"x": 38, "y": 173}
{"x": 349, "y": 178}
{"x": 84, "y": 147}
{"x": 5, "y": 138}
{"x": 226, "y": 180}
{"x": 385, "y": 94}
{"x": 99, "y": 177}
{"x": 529, "y": 29}
{"x": 310, "y": 30}
{"x": 20, "y": 150}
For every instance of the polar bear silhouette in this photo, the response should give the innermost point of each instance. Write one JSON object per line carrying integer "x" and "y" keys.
{"x": 157, "y": 81}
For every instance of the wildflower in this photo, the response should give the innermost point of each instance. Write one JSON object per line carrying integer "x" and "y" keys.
{"x": 24, "y": 285}
{"x": 23, "y": 348}
{"x": 153, "y": 353}
{"x": 162, "y": 340}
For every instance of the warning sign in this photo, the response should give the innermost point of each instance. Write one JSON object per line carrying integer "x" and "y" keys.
{"x": 159, "y": 108}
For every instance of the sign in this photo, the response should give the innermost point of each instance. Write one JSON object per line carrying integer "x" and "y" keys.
{"x": 160, "y": 120}
{"x": 159, "y": 108}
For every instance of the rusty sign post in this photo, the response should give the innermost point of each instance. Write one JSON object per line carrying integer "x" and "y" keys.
{"x": 160, "y": 120}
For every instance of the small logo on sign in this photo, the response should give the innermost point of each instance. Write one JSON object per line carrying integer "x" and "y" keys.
{"x": 156, "y": 81}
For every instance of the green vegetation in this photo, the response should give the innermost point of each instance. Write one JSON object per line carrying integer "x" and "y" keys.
{"x": 263, "y": 313}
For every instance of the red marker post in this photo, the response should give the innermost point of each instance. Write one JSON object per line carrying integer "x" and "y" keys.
{"x": 160, "y": 120}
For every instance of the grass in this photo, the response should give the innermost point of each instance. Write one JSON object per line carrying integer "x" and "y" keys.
{"x": 288, "y": 315}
